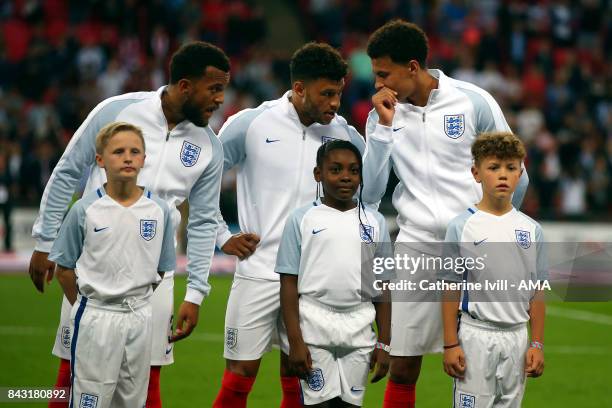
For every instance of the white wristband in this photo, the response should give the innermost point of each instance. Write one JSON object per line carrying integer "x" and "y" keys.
{"x": 383, "y": 346}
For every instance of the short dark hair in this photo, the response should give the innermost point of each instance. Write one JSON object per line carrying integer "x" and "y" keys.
{"x": 401, "y": 41}
{"x": 191, "y": 60}
{"x": 315, "y": 61}
{"x": 502, "y": 145}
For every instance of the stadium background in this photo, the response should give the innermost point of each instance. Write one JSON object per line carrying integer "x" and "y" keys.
{"x": 547, "y": 63}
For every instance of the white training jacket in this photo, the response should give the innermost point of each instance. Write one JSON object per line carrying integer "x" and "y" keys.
{"x": 429, "y": 149}
{"x": 275, "y": 155}
{"x": 184, "y": 163}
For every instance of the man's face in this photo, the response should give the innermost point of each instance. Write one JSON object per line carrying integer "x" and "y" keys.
{"x": 321, "y": 99}
{"x": 205, "y": 96}
{"x": 498, "y": 177}
{"x": 400, "y": 78}
{"x": 123, "y": 156}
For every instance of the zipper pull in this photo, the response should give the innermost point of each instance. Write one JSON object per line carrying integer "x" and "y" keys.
{"x": 423, "y": 117}
{"x": 167, "y": 136}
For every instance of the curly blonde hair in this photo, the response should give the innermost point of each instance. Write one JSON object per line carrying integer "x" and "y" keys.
{"x": 503, "y": 145}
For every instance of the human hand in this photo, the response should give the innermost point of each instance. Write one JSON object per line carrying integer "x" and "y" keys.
{"x": 534, "y": 362}
{"x": 241, "y": 245}
{"x": 187, "y": 320}
{"x": 384, "y": 103}
{"x": 380, "y": 359}
{"x": 41, "y": 270}
{"x": 454, "y": 362}
{"x": 300, "y": 360}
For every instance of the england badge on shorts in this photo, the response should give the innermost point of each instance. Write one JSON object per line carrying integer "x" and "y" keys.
{"x": 316, "y": 382}
{"x": 231, "y": 337}
{"x": 454, "y": 125}
{"x": 66, "y": 337}
{"x": 147, "y": 229}
{"x": 190, "y": 154}
{"x": 467, "y": 401}
{"x": 523, "y": 238}
{"x": 88, "y": 401}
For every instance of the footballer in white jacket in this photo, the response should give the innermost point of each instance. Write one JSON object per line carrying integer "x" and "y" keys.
{"x": 422, "y": 126}
{"x": 184, "y": 161}
{"x": 274, "y": 148}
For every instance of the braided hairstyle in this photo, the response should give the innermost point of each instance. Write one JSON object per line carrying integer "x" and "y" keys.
{"x": 323, "y": 152}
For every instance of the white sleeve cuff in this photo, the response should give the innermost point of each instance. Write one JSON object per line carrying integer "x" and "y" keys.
{"x": 223, "y": 237}
{"x": 382, "y": 133}
{"x": 43, "y": 246}
{"x": 194, "y": 296}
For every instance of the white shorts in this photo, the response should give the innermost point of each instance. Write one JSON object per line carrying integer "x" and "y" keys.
{"x": 111, "y": 350}
{"x": 416, "y": 328}
{"x": 252, "y": 318}
{"x": 416, "y": 319}
{"x": 340, "y": 345}
{"x": 495, "y": 365}
{"x": 162, "y": 310}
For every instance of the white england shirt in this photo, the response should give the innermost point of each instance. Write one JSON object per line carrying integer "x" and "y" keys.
{"x": 512, "y": 250}
{"x": 116, "y": 251}
{"x": 323, "y": 247}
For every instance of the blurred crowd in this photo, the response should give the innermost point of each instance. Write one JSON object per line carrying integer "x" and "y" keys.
{"x": 546, "y": 63}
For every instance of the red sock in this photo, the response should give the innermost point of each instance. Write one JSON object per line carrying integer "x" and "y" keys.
{"x": 292, "y": 396}
{"x": 399, "y": 395}
{"x": 234, "y": 391}
{"x": 63, "y": 381}
{"x": 153, "y": 394}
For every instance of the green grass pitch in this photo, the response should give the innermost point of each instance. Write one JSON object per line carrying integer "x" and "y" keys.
{"x": 578, "y": 354}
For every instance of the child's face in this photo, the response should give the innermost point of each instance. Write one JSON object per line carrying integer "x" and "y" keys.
{"x": 123, "y": 156}
{"x": 498, "y": 177}
{"x": 339, "y": 175}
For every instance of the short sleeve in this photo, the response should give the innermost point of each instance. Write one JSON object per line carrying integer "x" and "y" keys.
{"x": 451, "y": 250}
{"x": 541, "y": 255}
{"x": 167, "y": 258}
{"x": 68, "y": 246}
{"x": 384, "y": 249}
{"x": 290, "y": 249}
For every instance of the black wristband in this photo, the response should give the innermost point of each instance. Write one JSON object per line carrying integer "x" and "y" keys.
{"x": 451, "y": 346}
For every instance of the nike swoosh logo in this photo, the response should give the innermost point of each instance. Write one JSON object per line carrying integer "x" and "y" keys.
{"x": 272, "y": 141}
{"x": 399, "y": 128}
{"x": 168, "y": 350}
{"x": 476, "y": 243}
{"x": 356, "y": 389}
{"x": 96, "y": 229}
{"x": 314, "y": 232}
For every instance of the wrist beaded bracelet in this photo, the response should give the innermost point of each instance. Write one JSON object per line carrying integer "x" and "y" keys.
{"x": 383, "y": 346}
{"x": 537, "y": 344}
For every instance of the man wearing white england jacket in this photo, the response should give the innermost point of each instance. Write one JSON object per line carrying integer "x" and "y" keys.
{"x": 423, "y": 125}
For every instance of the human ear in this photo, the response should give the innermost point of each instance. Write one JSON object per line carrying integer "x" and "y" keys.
{"x": 298, "y": 88}
{"x": 475, "y": 173}
{"x": 99, "y": 161}
{"x": 317, "y": 174}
